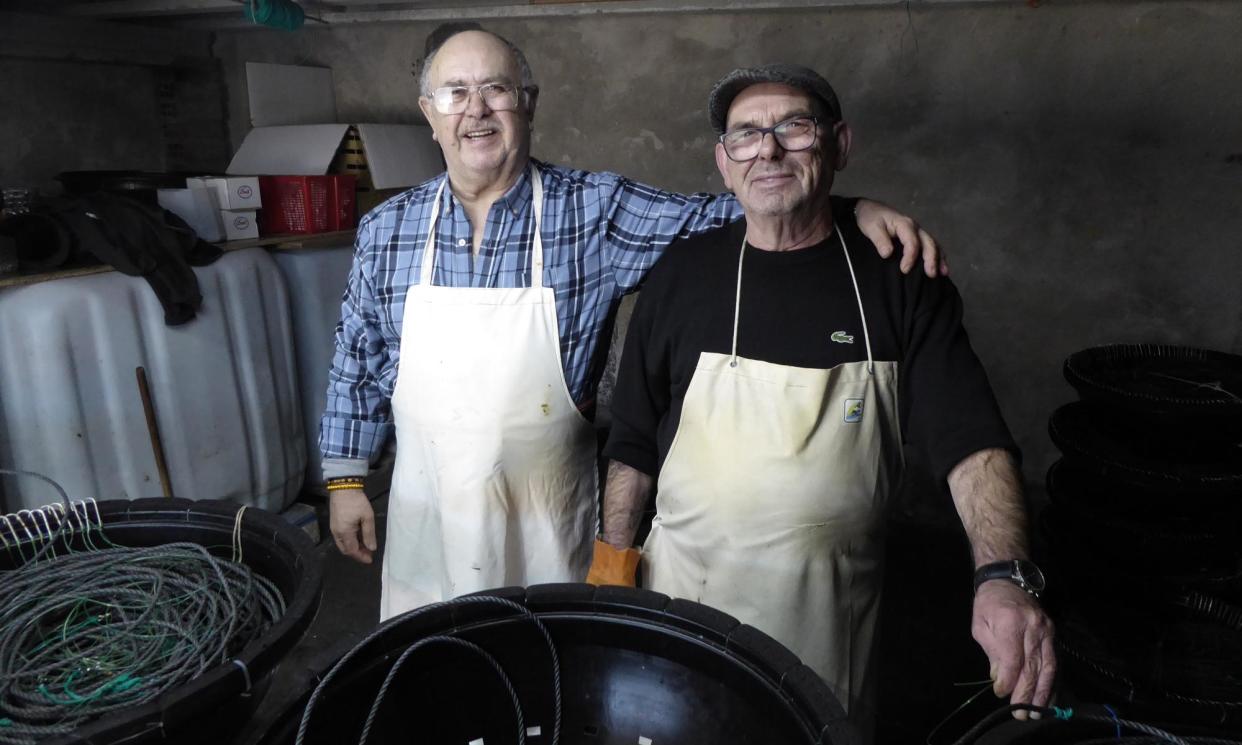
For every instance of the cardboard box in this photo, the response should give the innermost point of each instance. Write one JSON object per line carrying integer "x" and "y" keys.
{"x": 398, "y": 155}
{"x": 198, "y": 207}
{"x": 232, "y": 193}
{"x": 240, "y": 224}
{"x": 289, "y": 94}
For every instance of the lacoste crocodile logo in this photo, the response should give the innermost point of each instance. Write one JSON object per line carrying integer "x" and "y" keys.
{"x": 841, "y": 337}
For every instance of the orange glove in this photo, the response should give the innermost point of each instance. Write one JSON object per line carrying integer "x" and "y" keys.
{"x": 613, "y": 566}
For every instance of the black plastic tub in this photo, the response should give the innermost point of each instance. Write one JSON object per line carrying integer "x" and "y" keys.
{"x": 635, "y": 667}
{"x": 1099, "y": 442}
{"x": 1148, "y": 527}
{"x": 211, "y": 707}
{"x": 1197, "y": 391}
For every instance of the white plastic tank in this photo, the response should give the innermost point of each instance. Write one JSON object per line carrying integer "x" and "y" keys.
{"x": 224, "y": 388}
{"x": 317, "y": 279}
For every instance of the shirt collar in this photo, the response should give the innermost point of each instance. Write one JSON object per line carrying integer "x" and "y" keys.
{"x": 519, "y": 195}
{"x": 513, "y": 200}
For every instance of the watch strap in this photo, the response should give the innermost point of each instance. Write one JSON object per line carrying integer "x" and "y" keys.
{"x": 1010, "y": 571}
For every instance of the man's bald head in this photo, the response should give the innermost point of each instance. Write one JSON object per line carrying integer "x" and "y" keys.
{"x": 467, "y": 33}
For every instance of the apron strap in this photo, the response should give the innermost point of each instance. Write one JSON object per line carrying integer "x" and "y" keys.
{"x": 429, "y": 248}
{"x": 737, "y": 302}
{"x": 858, "y": 296}
{"x": 536, "y": 270}
{"x": 536, "y": 251}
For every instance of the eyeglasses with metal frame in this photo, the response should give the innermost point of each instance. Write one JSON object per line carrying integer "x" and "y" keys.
{"x": 497, "y": 96}
{"x": 793, "y": 135}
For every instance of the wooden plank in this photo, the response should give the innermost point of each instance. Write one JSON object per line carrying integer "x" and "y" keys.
{"x": 295, "y": 242}
{"x": 34, "y": 279}
{"x": 340, "y": 238}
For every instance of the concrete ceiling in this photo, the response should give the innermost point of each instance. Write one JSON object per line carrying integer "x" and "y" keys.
{"x": 199, "y": 10}
{"x": 228, "y": 13}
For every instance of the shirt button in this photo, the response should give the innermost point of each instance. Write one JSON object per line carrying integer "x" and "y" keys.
{"x": 461, "y": 241}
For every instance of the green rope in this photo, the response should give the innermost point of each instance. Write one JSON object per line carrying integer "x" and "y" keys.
{"x": 87, "y": 633}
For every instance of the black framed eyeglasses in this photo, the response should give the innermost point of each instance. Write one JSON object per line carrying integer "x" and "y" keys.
{"x": 793, "y": 135}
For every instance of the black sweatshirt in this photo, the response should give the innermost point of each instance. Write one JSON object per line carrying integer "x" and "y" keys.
{"x": 792, "y": 303}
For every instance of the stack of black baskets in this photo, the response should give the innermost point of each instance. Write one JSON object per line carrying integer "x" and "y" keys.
{"x": 1144, "y": 531}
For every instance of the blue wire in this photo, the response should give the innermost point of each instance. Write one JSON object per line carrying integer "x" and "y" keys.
{"x": 1116, "y": 722}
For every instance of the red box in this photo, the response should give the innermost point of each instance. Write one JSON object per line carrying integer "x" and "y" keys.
{"x": 306, "y": 204}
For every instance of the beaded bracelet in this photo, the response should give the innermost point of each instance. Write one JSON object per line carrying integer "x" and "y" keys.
{"x": 346, "y": 482}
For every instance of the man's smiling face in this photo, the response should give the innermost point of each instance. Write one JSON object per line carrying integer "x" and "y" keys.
{"x": 776, "y": 181}
{"x": 479, "y": 142}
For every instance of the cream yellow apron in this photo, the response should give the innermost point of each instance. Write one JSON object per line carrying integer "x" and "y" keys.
{"x": 495, "y": 478}
{"x": 771, "y": 504}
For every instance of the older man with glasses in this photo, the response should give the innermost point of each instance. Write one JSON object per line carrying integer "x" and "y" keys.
{"x": 474, "y": 325}
{"x": 771, "y": 371}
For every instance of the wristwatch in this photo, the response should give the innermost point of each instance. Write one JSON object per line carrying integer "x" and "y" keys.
{"x": 1021, "y": 572}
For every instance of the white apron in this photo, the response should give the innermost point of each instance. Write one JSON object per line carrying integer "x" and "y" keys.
{"x": 771, "y": 504}
{"x": 495, "y": 480}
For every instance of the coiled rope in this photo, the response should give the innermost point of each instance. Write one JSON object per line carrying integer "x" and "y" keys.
{"x": 102, "y": 627}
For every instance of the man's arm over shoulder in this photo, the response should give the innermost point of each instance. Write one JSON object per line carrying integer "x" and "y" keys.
{"x": 639, "y": 221}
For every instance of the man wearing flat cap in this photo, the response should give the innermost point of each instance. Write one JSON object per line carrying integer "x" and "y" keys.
{"x": 772, "y": 372}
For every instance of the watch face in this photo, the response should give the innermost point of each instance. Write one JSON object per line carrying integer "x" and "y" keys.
{"x": 1029, "y": 574}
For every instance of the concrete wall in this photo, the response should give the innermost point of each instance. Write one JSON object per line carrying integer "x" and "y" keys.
{"x": 78, "y": 94}
{"x": 68, "y": 116}
{"x": 1081, "y": 161}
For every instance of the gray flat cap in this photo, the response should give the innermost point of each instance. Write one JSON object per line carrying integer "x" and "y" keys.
{"x": 795, "y": 76}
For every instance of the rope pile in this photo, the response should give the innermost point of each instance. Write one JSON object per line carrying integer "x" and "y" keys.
{"x": 92, "y": 631}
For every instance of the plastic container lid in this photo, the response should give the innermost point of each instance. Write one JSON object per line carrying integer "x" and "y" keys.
{"x": 1159, "y": 380}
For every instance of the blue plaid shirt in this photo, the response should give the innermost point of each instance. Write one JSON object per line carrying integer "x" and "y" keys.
{"x": 601, "y": 233}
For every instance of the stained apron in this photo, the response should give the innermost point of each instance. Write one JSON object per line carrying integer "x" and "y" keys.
{"x": 771, "y": 501}
{"x": 495, "y": 479}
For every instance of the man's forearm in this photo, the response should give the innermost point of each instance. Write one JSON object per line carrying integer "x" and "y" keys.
{"x": 987, "y": 491}
{"x": 1008, "y": 623}
{"x": 625, "y": 498}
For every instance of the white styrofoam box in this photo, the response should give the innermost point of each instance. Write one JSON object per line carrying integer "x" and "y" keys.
{"x": 224, "y": 388}
{"x": 316, "y": 279}
{"x": 240, "y": 224}
{"x": 232, "y": 192}
{"x": 197, "y": 207}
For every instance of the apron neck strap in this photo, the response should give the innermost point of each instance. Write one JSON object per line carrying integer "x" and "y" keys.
{"x": 536, "y": 251}
{"x": 536, "y": 269}
{"x": 429, "y": 248}
{"x": 858, "y": 296}
{"x": 737, "y": 301}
